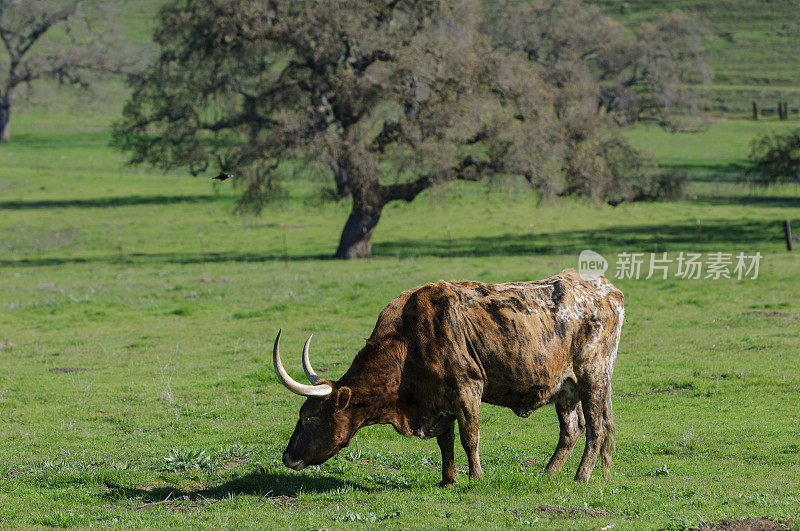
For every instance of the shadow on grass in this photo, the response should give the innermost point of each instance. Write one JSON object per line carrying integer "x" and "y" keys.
{"x": 767, "y": 200}
{"x": 261, "y": 483}
{"x": 134, "y": 259}
{"x": 710, "y": 236}
{"x": 109, "y": 202}
{"x": 733, "y": 172}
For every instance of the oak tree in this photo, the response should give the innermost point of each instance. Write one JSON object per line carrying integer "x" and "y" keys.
{"x": 393, "y": 97}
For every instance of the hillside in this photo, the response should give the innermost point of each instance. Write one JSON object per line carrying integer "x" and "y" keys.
{"x": 753, "y": 49}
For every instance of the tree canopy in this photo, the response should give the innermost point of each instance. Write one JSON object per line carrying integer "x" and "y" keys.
{"x": 392, "y": 97}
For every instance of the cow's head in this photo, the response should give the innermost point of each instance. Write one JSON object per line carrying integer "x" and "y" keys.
{"x": 325, "y": 425}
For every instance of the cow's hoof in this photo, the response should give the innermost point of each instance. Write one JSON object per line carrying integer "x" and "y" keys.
{"x": 447, "y": 483}
{"x": 552, "y": 470}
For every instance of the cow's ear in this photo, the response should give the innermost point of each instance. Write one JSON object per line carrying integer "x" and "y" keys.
{"x": 342, "y": 397}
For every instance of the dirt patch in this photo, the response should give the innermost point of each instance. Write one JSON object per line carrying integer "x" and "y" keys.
{"x": 278, "y": 225}
{"x": 762, "y": 313}
{"x": 228, "y": 462}
{"x": 283, "y": 500}
{"x": 571, "y": 511}
{"x": 12, "y": 473}
{"x": 149, "y": 488}
{"x": 659, "y": 391}
{"x": 67, "y": 369}
{"x": 750, "y": 524}
{"x": 223, "y": 280}
{"x": 532, "y": 462}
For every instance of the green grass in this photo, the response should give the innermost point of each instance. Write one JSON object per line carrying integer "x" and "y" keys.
{"x": 171, "y": 348}
{"x": 165, "y": 305}
{"x": 719, "y": 144}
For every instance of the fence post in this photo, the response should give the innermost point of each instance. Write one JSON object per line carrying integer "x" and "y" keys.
{"x": 755, "y": 111}
{"x": 787, "y": 229}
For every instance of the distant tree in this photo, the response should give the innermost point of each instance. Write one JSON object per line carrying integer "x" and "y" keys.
{"x": 605, "y": 75}
{"x": 28, "y": 56}
{"x": 649, "y": 75}
{"x": 775, "y": 158}
{"x": 394, "y": 97}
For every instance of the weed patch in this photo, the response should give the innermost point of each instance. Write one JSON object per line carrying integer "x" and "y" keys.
{"x": 667, "y": 390}
{"x": 571, "y": 511}
{"x": 180, "y": 460}
{"x": 66, "y": 369}
{"x": 750, "y": 524}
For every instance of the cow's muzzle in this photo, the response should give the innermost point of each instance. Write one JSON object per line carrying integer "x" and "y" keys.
{"x": 293, "y": 463}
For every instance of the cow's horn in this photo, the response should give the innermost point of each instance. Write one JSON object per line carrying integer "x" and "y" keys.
{"x": 289, "y": 383}
{"x": 307, "y": 368}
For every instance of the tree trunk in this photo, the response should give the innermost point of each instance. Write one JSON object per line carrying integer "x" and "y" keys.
{"x": 5, "y": 113}
{"x": 356, "y": 240}
{"x": 343, "y": 189}
{"x": 368, "y": 200}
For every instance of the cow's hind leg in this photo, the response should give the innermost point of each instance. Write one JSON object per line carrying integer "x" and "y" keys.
{"x": 596, "y": 405}
{"x": 447, "y": 445}
{"x": 571, "y": 423}
{"x": 468, "y": 431}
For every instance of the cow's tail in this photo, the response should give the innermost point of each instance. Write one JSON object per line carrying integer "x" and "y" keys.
{"x": 607, "y": 449}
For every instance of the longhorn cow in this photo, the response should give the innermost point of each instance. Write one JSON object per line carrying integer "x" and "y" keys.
{"x": 439, "y": 350}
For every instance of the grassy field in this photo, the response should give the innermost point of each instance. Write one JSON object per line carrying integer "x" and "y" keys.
{"x": 751, "y": 42}
{"x": 753, "y": 49}
{"x": 136, "y": 317}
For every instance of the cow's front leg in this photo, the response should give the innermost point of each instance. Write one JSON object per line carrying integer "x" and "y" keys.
{"x": 571, "y": 423}
{"x": 446, "y": 444}
{"x": 470, "y": 435}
